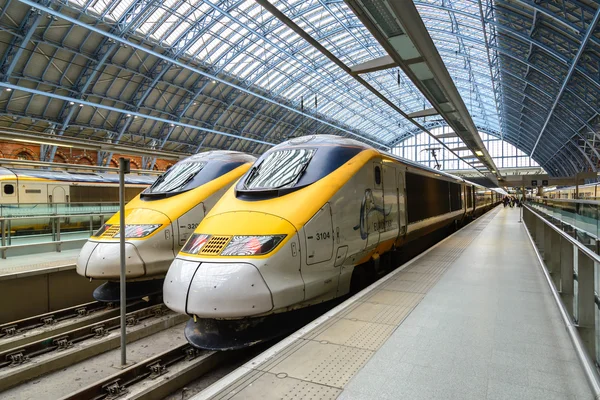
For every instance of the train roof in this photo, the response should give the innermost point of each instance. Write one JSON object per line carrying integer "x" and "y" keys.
{"x": 343, "y": 141}
{"x": 83, "y": 177}
{"x": 220, "y": 155}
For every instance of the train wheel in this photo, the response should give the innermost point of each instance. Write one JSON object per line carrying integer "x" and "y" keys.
{"x": 362, "y": 276}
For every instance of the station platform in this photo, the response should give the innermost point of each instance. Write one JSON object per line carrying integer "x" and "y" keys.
{"x": 40, "y": 263}
{"x": 471, "y": 318}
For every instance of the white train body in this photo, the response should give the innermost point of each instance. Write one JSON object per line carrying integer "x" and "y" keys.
{"x": 324, "y": 229}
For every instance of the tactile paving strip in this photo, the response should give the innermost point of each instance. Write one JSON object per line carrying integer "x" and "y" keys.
{"x": 321, "y": 362}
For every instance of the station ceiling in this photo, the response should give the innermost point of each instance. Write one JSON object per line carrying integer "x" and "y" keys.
{"x": 186, "y": 76}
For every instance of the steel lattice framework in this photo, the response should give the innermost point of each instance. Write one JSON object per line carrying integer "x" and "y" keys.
{"x": 189, "y": 75}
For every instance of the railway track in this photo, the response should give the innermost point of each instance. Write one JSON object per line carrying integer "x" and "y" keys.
{"x": 30, "y": 360}
{"x": 19, "y": 333}
{"x": 176, "y": 367}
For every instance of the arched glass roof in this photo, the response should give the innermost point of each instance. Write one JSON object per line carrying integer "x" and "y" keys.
{"x": 187, "y": 75}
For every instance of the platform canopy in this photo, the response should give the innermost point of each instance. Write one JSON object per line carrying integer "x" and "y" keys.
{"x": 188, "y": 75}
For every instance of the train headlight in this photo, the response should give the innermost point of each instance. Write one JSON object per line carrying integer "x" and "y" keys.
{"x": 138, "y": 230}
{"x": 195, "y": 243}
{"x": 251, "y": 245}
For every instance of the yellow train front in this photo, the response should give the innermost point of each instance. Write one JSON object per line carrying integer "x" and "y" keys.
{"x": 158, "y": 222}
{"x": 314, "y": 219}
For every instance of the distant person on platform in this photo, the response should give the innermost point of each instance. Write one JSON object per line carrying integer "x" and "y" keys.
{"x": 512, "y": 201}
{"x": 505, "y": 201}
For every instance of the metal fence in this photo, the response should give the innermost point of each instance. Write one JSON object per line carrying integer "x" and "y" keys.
{"x": 29, "y": 225}
{"x": 574, "y": 278}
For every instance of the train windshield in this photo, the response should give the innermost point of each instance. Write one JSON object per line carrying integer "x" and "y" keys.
{"x": 279, "y": 169}
{"x": 279, "y": 172}
{"x": 185, "y": 176}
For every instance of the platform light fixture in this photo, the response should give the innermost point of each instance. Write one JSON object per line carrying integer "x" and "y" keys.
{"x": 8, "y": 89}
{"x": 479, "y": 153}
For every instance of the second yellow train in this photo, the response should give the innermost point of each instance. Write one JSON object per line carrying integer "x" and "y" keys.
{"x": 158, "y": 222}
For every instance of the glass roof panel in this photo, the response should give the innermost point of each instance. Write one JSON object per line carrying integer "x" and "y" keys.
{"x": 271, "y": 56}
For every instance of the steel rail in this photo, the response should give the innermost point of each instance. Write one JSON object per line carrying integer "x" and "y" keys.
{"x": 63, "y": 341}
{"x": 589, "y": 368}
{"x": 120, "y": 383}
{"x": 11, "y": 329}
{"x": 16, "y": 334}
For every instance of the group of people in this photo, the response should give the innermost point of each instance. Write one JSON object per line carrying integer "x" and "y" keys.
{"x": 511, "y": 201}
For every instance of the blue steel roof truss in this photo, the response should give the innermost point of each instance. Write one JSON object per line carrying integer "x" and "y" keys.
{"x": 509, "y": 59}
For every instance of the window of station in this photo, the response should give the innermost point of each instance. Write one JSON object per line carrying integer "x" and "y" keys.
{"x": 419, "y": 148}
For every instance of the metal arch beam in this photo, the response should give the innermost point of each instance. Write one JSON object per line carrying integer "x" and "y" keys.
{"x": 81, "y": 127}
{"x": 292, "y": 25}
{"x": 18, "y": 44}
{"x": 515, "y": 57}
{"x": 144, "y": 89}
{"x": 133, "y": 13}
{"x": 507, "y": 95}
{"x": 530, "y": 41}
{"x": 593, "y": 148}
{"x": 272, "y": 43}
{"x": 411, "y": 46}
{"x": 557, "y": 141}
{"x": 572, "y": 68}
{"x": 276, "y": 61}
{"x": 185, "y": 66}
{"x": 122, "y": 111}
{"x": 327, "y": 37}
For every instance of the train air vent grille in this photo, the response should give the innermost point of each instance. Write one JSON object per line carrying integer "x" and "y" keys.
{"x": 110, "y": 232}
{"x": 215, "y": 245}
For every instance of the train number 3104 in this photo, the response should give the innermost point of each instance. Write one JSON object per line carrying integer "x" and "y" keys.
{"x": 323, "y": 235}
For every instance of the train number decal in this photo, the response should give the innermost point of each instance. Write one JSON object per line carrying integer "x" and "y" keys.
{"x": 192, "y": 226}
{"x": 323, "y": 235}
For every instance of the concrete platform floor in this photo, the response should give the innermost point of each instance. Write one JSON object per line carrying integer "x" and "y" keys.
{"x": 13, "y": 266}
{"x": 472, "y": 318}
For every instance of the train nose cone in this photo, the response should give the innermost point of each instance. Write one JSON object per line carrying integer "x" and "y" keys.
{"x": 211, "y": 290}
{"x": 103, "y": 261}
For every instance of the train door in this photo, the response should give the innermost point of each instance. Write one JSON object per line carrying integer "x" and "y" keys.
{"x": 374, "y": 207}
{"x": 56, "y": 194}
{"x": 320, "y": 276}
{"x": 389, "y": 230}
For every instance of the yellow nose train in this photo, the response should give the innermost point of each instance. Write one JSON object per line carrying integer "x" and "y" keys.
{"x": 158, "y": 222}
{"x": 312, "y": 219}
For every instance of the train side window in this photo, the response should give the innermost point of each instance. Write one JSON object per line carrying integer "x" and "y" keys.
{"x": 8, "y": 189}
{"x": 377, "y": 175}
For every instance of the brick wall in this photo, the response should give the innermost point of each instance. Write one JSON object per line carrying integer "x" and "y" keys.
{"x": 13, "y": 150}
